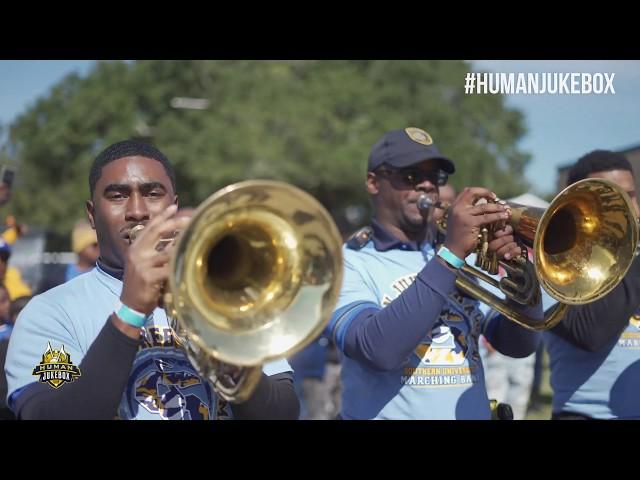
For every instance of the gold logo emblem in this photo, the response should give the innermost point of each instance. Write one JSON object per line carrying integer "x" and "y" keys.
{"x": 56, "y": 367}
{"x": 419, "y": 135}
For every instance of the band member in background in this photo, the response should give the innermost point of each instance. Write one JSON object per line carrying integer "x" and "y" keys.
{"x": 594, "y": 353}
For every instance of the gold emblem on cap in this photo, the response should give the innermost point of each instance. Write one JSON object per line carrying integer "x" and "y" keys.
{"x": 419, "y": 135}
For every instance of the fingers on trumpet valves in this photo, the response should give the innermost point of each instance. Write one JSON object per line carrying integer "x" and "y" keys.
{"x": 484, "y": 239}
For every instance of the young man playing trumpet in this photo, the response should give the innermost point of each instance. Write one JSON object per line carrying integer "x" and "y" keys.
{"x": 99, "y": 346}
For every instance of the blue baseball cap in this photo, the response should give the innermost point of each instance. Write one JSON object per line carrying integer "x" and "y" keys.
{"x": 407, "y": 147}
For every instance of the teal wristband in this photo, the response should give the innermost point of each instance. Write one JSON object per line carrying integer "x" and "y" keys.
{"x": 450, "y": 258}
{"x": 131, "y": 316}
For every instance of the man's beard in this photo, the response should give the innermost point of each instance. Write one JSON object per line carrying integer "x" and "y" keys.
{"x": 418, "y": 223}
{"x": 112, "y": 257}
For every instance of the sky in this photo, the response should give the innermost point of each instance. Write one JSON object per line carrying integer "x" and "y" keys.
{"x": 560, "y": 128}
{"x": 23, "y": 81}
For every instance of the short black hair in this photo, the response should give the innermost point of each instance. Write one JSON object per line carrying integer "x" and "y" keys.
{"x": 597, "y": 161}
{"x": 128, "y": 148}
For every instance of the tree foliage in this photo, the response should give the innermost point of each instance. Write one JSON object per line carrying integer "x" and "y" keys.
{"x": 310, "y": 123}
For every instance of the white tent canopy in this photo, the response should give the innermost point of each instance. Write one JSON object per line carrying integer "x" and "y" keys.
{"x": 530, "y": 200}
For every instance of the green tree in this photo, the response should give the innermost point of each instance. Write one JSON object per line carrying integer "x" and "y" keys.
{"x": 310, "y": 123}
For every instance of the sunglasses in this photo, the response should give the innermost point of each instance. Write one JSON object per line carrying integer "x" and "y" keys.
{"x": 412, "y": 177}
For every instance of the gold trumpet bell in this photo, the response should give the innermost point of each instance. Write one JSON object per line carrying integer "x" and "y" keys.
{"x": 583, "y": 245}
{"x": 256, "y": 274}
{"x": 586, "y": 241}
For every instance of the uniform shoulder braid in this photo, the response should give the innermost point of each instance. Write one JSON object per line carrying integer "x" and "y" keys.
{"x": 360, "y": 238}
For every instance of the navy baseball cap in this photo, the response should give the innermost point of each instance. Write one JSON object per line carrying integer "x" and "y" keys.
{"x": 407, "y": 147}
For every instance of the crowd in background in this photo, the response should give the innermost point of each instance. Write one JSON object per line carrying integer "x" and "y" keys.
{"x": 16, "y": 290}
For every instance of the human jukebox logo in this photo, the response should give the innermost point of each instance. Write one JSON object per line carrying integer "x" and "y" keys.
{"x": 449, "y": 356}
{"x": 446, "y": 359}
{"x": 56, "y": 367}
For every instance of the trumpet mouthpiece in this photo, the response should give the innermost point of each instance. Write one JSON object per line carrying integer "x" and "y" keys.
{"x": 425, "y": 203}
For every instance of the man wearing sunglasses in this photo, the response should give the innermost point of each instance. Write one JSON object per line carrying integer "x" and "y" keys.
{"x": 408, "y": 338}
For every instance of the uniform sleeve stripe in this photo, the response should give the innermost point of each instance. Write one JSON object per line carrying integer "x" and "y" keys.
{"x": 343, "y": 317}
{"x": 13, "y": 397}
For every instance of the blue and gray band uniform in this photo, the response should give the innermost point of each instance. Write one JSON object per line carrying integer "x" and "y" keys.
{"x": 408, "y": 338}
{"x": 594, "y": 355}
{"x": 162, "y": 383}
{"x": 603, "y": 384}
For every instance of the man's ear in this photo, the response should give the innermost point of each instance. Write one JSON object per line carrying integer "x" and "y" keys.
{"x": 371, "y": 184}
{"x": 175, "y": 200}
{"x": 90, "y": 213}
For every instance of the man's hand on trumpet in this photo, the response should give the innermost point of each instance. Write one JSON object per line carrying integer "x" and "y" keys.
{"x": 147, "y": 267}
{"x": 469, "y": 213}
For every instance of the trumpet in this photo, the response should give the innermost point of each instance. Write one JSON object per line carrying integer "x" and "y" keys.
{"x": 583, "y": 245}
{"x": 254, "y": 278}
{"x": 425, "y": 203}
